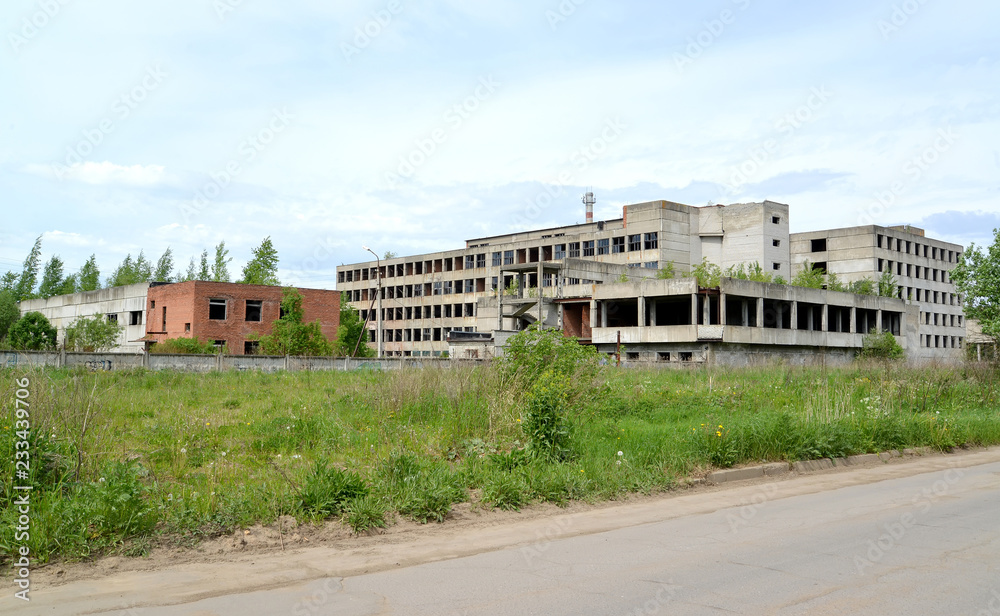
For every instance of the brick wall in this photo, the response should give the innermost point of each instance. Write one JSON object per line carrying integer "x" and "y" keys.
{"x": 187, "y": 311}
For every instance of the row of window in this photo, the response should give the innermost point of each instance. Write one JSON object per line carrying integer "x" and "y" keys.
{"x": 217, "y": 310}
{"x": 586, "y": 248}
{"x": 941, "y": 342}
{"x": 935, "y": 318}
{"x": 913, "y": 271}
{"x": 929, "y": 297}
{"x": 908, "y": 247}
{"x": 134, "y": 317}
{"x": 436, "y": 311}
{"x": 416, "y": 334}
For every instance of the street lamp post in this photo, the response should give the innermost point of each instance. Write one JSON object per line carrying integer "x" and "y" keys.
{"x": 378, "y": 298}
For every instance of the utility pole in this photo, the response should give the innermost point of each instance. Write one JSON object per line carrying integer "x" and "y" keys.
{"x": 378, "y": 297}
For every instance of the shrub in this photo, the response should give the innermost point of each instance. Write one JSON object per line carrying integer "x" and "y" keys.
{"x": 545, "y": 424}
{"x": 94, "y": 333}
{"x": 708, "y": 274}
{"x": 32, "y": 332}
{"x": 326, "y": 491}
{"x": 505, "y": 491}
{"x": 881, "y": 346}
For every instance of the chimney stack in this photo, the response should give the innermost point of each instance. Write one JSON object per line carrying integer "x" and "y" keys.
{"x": 589, "y": 201}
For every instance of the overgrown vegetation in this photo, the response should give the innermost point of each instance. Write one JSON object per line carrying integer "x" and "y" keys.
{"x": 192, "y": 346}
{"x": 95, "y": 333}
{"x": 880, "y": 346}
{"x": 126, "y": 460}
{"x": 290, "y": 335}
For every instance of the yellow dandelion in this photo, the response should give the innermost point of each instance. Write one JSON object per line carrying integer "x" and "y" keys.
{"x": 718, "y": 434}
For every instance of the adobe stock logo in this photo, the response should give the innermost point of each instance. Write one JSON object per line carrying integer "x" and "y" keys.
{"x": 364, "y": 35}
{"x": 33, "y": 25}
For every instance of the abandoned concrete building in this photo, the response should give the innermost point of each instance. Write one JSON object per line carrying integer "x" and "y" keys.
{"x": 598, "y": 281}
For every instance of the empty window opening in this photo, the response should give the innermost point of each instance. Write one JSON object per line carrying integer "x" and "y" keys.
{"x": 838, "y": 319}
{"x": 775, "y": 220}
{"x": 135, "y": 317}
{"x": 217, "y": 309}
{"x": 112, "y": 318}
{"x": 632, "y": 355}
{"x": 663, "y": 356}
{"x": 741, "y": 311}
{"x": 819, "y": 245}
{"x": 254, "y": 309}
{"x": 187, "y": 328}
{"x": 777, "y": 314}
{"x": 672, "y": 310}
{"x": 686, "y": 355}
{"x": 251, "y": 347}
{"x": 622, "y": 313}
{"x": 809, "y": 317}
{"x": 865, "y": 320}
{"x": 634, "y": 242}
{"x": 776, "y": 243}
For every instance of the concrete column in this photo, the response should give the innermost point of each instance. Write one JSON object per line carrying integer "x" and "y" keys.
{"x": 652, "y": 312}
{"x": 706, "y": 310}
{"x": 852, "y": 327}
{"x": 604, "y": 314}
{"x": 878, "y": 320}
{"x": 824, "y": 322}
{"x": 593, "y": 314}
{"x": 694, "y": 309}
{"x": 722, "y": 309}
{"x": 793, "y": 321}
{"x": 641, "y": 300}
{"x": 745, "y": 313}
{"x": 760, "y": 312}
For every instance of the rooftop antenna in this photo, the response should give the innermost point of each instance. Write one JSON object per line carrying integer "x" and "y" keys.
{"x": 589, "y": 201}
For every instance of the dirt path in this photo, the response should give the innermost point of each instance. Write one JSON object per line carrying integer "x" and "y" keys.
{"x": 259, "y": 558}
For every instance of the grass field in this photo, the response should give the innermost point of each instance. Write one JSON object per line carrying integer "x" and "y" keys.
{"x": 124, "y": 460}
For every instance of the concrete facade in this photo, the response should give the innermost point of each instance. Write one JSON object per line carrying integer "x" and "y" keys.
{"x": 920, "y": 265}
{"x": 230, "y": 314}
{"x": 424, "y": 297}
{"x": 125, "y": 304}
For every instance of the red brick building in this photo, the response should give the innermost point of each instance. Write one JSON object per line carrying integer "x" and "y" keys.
{"x": 228, "y": 313}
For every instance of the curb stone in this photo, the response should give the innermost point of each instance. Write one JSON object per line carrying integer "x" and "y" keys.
{"x": 806, "y": 466}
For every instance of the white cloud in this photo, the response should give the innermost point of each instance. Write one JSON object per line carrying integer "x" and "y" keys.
{"x": 102, "y": 173}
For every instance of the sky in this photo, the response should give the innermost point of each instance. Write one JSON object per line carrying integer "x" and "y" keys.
{"x": 411, "y": 127}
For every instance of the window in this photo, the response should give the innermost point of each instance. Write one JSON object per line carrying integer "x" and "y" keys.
{"x": 437, "y": 288}
{"x": 651, "y": 265}
{"x": 776, "y": 220}
{"x": 470, "y": 261}
{"x": 603, "y": 247}
{"x": 574, "y": 249}
{"x": 135, "y": 317}
{"x": 112, "y": 318}
{"x": 187, "y": 328}
{"x": 632, "y": 355}
{"x": 481, "y": 260}
{"x": 776, "y": 243}
{"x": 560, "y": 251}
{"x": 496, "y": 259}
{"x": 508, "y": 257}
{"x": 776, "y": 266}
{"x": 617, "y": 245}
{"x": 651, "y": 240}
{"x": 220, "y": 345}
{"x": 251, "y": 347}
{"x": 588, "y": 248}
{"x": 217, "y": 309}
{"x": 254, "y": 309}
{"x": 634, "y": 242}
{"x": 818, "y": 245}
{"x": 663, "y": 356}
{"x": 448, "y": 287}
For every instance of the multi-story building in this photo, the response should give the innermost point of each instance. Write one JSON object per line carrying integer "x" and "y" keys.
{"x": 919, "y": 265}
{"x": 427, "y": 296}
{"x": 593, "y": 281}
{"x": 125, "y": 305}
{"x": 230, "y": 314}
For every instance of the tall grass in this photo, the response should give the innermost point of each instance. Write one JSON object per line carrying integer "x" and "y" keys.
{"x": 180, "y": 456}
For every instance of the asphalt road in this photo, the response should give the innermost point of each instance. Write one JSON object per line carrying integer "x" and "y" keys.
{"x": 923, "y": 544}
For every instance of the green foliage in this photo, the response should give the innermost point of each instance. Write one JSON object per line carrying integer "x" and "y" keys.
{"x": 708, "y": 274}
{"x": 809, "y": 277}
{"x": 505, "y": 491}
{"x": 622, "y": 278}
{"x": 192, "y": 346}
{"x": 90, "y": 275}
{"x": 204, "y": 273}
{"x": 833, "y": 283}
{"x": 977, "y": 278}
{"x": 667, "y": 271}
{"x": 887, "y": 286}
{"x": 752, "y": 271}
{"x": 534, "y": 351}
{"x": 865, "y": 286}
{"x": 164, "y": 267}
{"x": 351, "y": 333}
{"x": 880, "y": 345}
{"x": 52, "y": 278}
{"x": 94, "y": 333}
{"x": 190, "y": 274}
{"x": 131, "y": 272}
{"x": 263, "y": 267}
{"x": 545, "y": 425}
{"x": 32, "y": 332}
{"x": 366, "y": 513}
{"x": 290, "y": 336}
{"x": 327, "y": 490}
{"x": 220, "y": 268}
{"x": 9, "y": 312}
{"x": 29, "y": 273}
